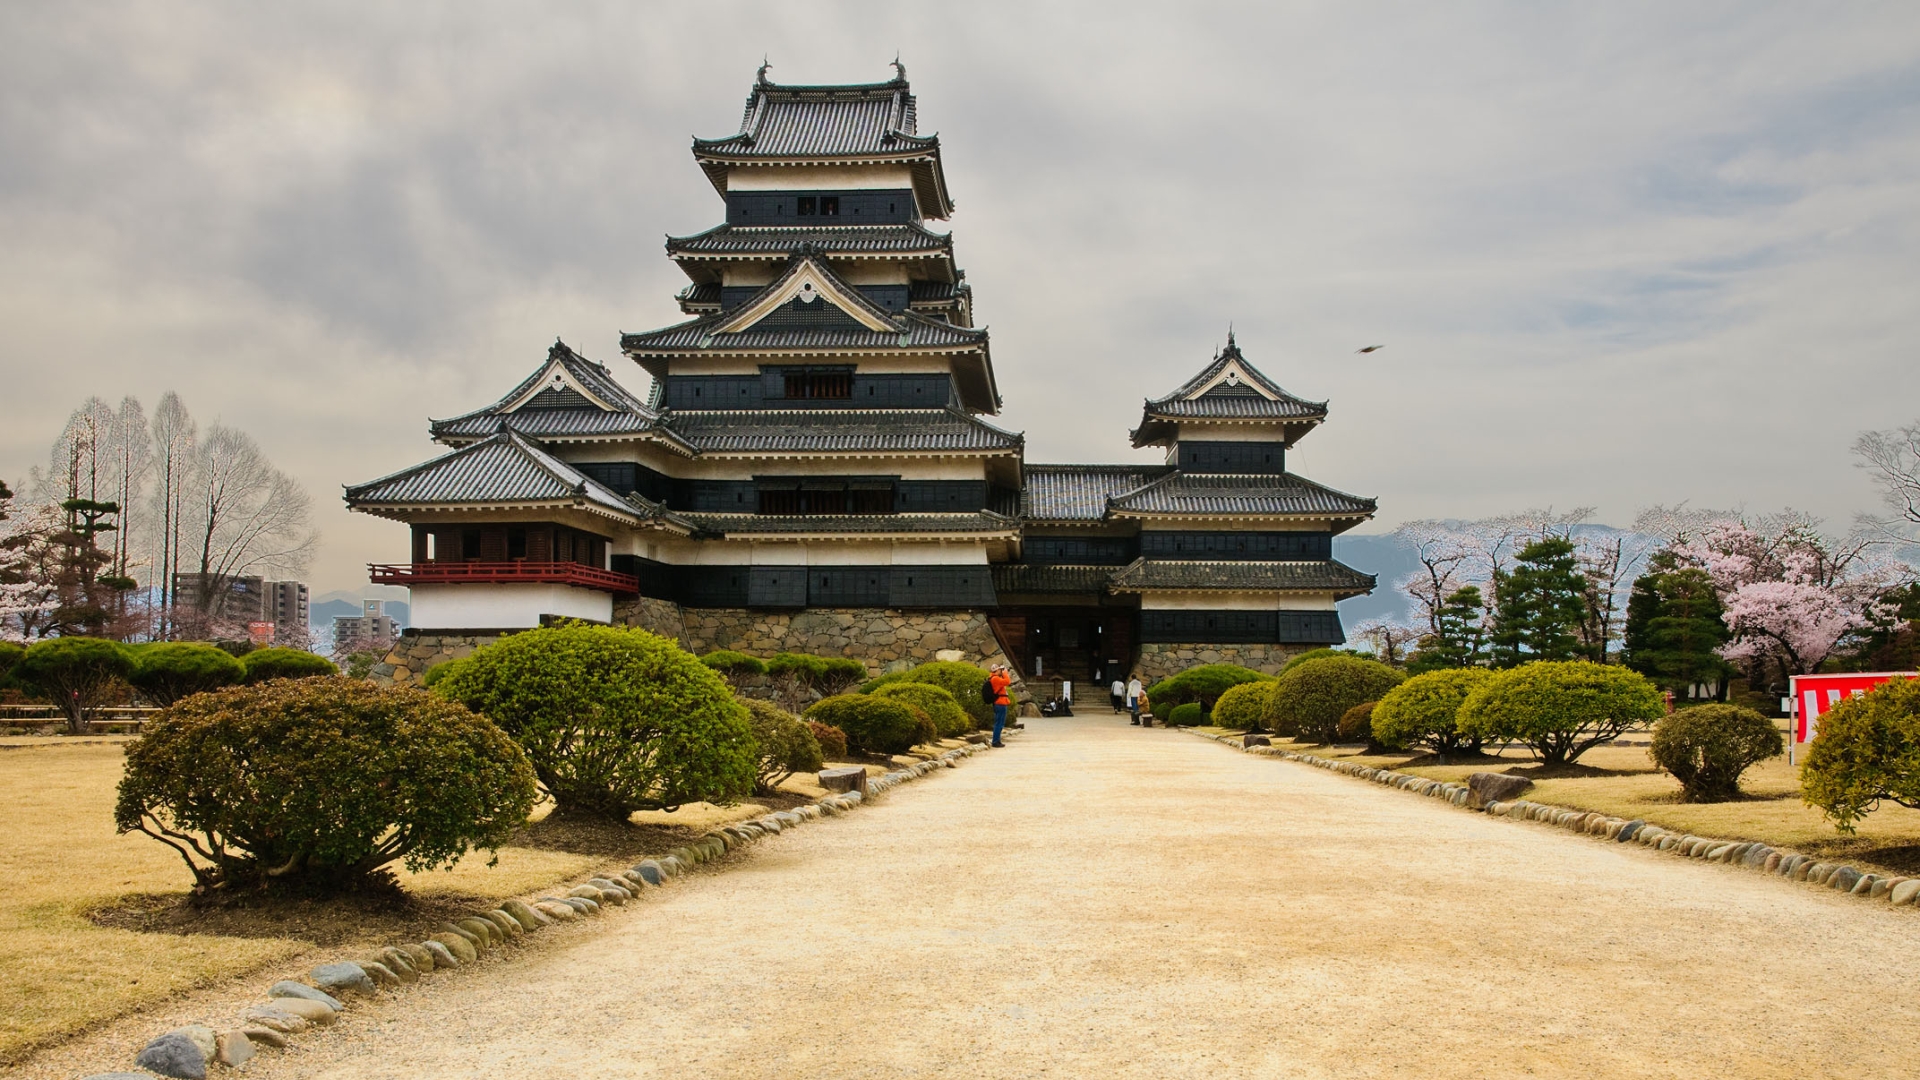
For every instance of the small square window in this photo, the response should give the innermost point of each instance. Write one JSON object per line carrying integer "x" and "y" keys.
{"x": 806, "y": 205}
{"x": 829, "y": 206}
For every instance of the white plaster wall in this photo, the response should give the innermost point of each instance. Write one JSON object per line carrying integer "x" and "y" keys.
{"x": 817, "y": 177}
{"x": 1267, "y": 432}
{"x": 905, "y": 554}
{"x": 1230, "y": 601}
{"x": 504, "y": 606}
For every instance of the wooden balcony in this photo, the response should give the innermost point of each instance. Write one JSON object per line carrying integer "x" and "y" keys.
{"x": 503, "y": 573}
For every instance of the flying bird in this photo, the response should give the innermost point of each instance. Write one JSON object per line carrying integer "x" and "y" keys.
{"x": 1369, "y": 348}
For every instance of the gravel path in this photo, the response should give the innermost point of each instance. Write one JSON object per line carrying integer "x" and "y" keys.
{"x": 1102, "y": 901}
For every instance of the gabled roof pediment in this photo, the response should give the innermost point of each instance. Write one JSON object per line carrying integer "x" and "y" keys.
{"x": 807, "y": 282}
{"x": 568, "y": 395}
{"x": 1228, "y": 390}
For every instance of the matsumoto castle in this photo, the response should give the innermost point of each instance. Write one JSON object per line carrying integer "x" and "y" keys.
{"x": 813, "y": 468}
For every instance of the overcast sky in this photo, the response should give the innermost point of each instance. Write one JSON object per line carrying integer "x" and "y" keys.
{"x": 1617, "y": 254}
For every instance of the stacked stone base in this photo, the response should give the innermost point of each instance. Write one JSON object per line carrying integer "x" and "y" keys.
{"x": 1158, "y": 661}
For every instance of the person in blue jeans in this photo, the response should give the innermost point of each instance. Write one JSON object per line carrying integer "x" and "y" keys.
{"x": 999, "y": 678}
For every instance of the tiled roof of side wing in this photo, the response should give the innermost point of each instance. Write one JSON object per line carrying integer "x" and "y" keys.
{"x": 915, "y": 330}
{"x": 1080, "y": 492}
{"x": 1182, "y": 493}
{"x": 1223, "y": 405}
{"x": 823, "y": 431}
{"x": 1024, "y": 578}
{"x": 547, "y": 423}
{"x": 834, "y": 524}
{"x": 503, "y": 469}
{"x": 907, "y": 239}
{"x": 633, "y": 414}
{"x": 865, "y": 120}
{"x": 1322, "y": 576}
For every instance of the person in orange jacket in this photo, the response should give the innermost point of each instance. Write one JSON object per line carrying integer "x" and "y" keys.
{"x": 999, "y": 678}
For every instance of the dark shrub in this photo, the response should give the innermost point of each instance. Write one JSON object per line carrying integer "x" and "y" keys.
{"x": 1425, "y": 710}
{"x": 320, "y": 783}
{"x": 833, "y": 741}
{"x": 1707, "y": 747}
{"x": 874, "y": 725}
{"x": 284, "y": 663}
{"x": 728, "y": 662}
{"x": 614, "y": 720}
{"x": 826, "y": 675}
{"x": 786, "y": 745}
{"x": 1186, "y": 714}
{"x": 1203, "y": 684}
{"x": 438, "y": 671}
{"x": 166, "y": 671}
{"x": 10, "y": 654}
{"x": 1867, "y": 749}
{"x": 1309, "y": 699}
{"x": 1560, "y": 708}
{"x": 949, "y": 719}
{"x": 1356, "y": 724}
{"x": 75, "y": 673}
{"x": 961, "y": 680}
{"x": 1243, "y": 707}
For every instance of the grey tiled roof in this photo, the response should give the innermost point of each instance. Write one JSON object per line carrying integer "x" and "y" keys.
{"x": 908, "y": 239}
{"x": 1183, "y": 493}
{"x": 862, "y": 120}
{"x": 1227, "y": 356}
{"x": 503, "y": 469}
{"x": 1223, "y": 402}
{"x": 777, "y": 431}
{"x": 631, "y": 415}
{"x": 1024, "y": 578}
{"x": 915, "y": 330}
{"x": 838, "y": 524}
{"x": 1080, "y": 492}
{"x": 1325, "y": 576}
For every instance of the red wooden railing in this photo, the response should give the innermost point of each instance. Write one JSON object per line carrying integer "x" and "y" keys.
{"x": 480, "y": 573}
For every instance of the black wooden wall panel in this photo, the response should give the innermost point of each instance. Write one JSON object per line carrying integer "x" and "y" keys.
{"x": 1276, "y": 546}
{"x": 768, "y": 391}
{"x": 1258, "y": 458}
{"x": 1080, "y": 550}
{"x": 858, "y": 206}
{"x": 1242, "y": 627}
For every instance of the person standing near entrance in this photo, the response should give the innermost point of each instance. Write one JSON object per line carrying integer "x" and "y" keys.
{"x": 1119, "y": 693}
{"x": 1134, "y": 692}
{"x": 998, "y": 679}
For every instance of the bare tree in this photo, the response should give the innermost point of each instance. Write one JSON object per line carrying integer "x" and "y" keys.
{"x": 128, "y": 453}
{"x": 1388, "y": 639}
{"x": 174, "y": 437}
{"x": 246, "y": 515}
{"x": 1444, "y": 551}
{"x": 74, "y": 462}
{"x": 1893, "y": 460}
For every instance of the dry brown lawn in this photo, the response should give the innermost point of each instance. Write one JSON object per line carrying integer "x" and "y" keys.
{"x": 1625, "y": 783}
{"x": 93, "y": 925}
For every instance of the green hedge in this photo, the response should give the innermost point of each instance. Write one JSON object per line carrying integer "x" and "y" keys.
{"x": 614, "y": 720}
{"x": 729, "y": 662}
{"x": 1243, "y": 707}
{"x": 961, "y": 680}
{"x": 1866, "y": 751}
{"x": 1425, "y": 710}
{"x": 166, "y": 671}
{"x": 1309, "y": 699}
{"x": 75, "y": 673}
{"x": 320, "y": 783}
{"x": 1561, "y": 708}
{"x": 949, "y": 719}
{"x": 1707, "y": 747}
{"x": 284, "y": 663}
{"x": 786, "y": 744}
{"x": 1186, "y": 714}
{"x": 874, "y": 725}
{"x": 1203, "y": 684}
{"x": 828, "y": 675}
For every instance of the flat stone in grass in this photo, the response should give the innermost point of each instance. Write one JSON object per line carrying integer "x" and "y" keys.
{"x": 176, "y": 1055}
{"x": 121, "y": 1076}
{"x": 1902, "y": 894}
{"x": 313, "y": 1012}
{"x": 443, "y": 957}
{"x": 343, "y": 978}
{"x": 287, "y": 988}
{"x": 596, "y": 894}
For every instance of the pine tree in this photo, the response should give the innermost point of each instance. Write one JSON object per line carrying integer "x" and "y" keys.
{"x": 1458, "y": 643}
{"x": 1538, "y": 605}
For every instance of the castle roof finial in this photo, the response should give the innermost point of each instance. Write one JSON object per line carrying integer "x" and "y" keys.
{"x": 899, "y": 69}
{"x": 760, "y": 76}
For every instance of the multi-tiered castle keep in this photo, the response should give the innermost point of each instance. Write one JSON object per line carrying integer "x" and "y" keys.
{"x": 811, "y": 470}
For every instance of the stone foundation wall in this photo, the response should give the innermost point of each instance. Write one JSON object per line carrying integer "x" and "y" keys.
{"x": 887, "y": 639}
{"x": 663, "y": 617}
{"x": 1157, "y": 661}
{"x": 413, "y": 654}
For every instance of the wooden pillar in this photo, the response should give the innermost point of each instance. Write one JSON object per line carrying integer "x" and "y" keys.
{"x": 419, "y": 543}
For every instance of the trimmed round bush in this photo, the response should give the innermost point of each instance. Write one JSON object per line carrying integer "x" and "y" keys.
{"x": 10, "y": 654}
{"x": 949, "y": 719}
{"x": 962, "y": 680}
{"x": 786, "y": 745}
{"x": 166, "y": 671}
{"x": 280, "y": 662}
{"x": 1310, "y": 654}
{"x": 826, "y": 675}
{"x": 1867, "y": 750}
{"x": 833, "y": 741}
{"x": 320, "y": 783}
{"x": 1707, "y": 747}
{"x": 1243, "y": 707}
{"x": 613, "y": 719}
{"x": 1561, "y": 708}
{"x": 729, "y": 662}
{"x": 75, "y": 673}
{"x": 1203, "y": 684}
{"x": 438, "y": 671}
{"x": 874, "y": 725}
{"x": 1356, "y": 725}
{"x": 1309, "y": 699}
{"x": 1186, "y": 714}
{"x": 1425, "y": 710}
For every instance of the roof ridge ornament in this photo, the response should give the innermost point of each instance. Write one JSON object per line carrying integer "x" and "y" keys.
{"x": 760, "y": 77}
{"x": 899, "y": 69}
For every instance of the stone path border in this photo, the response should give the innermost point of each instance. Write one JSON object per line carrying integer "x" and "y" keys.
{"x": 293, "y": 1007}
{"x": 1897, "y": 891}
